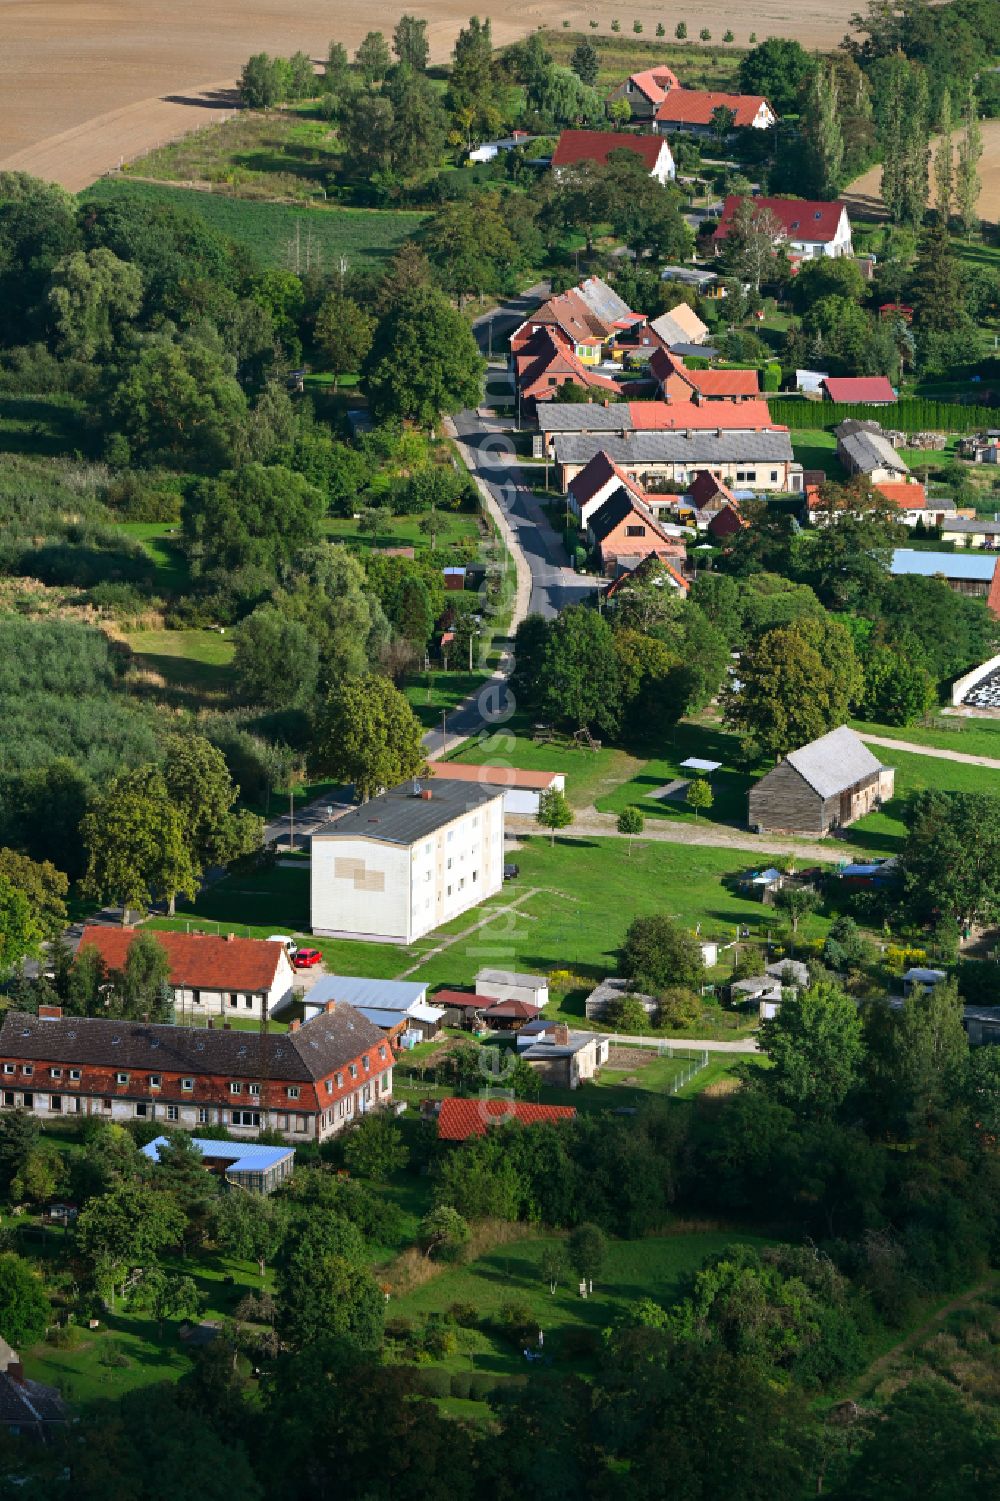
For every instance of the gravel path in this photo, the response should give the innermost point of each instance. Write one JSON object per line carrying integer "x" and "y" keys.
{"x": 931, "y": 750}
{"x": 589, "y": 821}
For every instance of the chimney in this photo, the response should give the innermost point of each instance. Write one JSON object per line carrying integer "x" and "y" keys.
{"x": 330, "y": 1008}
{"x": 15, "y": 1371}
{"x": 426, "y": 794}
{"x": 49, "y": 1013}
{"x": 561, "y": 1037}
{"x": 294, "y": 1026}
{"x": 230, "y": 937}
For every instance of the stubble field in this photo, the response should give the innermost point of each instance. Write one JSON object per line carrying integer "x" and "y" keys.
{"x": 84, "y": 84}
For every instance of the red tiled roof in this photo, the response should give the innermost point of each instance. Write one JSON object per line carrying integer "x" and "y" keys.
{"x": 730, "y": 416}
{"x": 575, "y": 146}
{"x": 655, "y": 83}
{"x": 547, "y": 353}
{"x": 859, "y": 388}
{"x": 595, "y": 474}
{"x": 800, "y": 218}
{"x": 712, "y": 383}
{"x": 493, "y": 776}
{"x": 903, "y": 494}
{"x": 706, "y": 486}
{"x": 460, "y": 1119}
{"x": 198, "y": 961}
{"x": 695, "y": 107}
{"x": 514, "y": 1010}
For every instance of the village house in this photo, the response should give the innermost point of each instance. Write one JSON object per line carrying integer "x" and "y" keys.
{"x": 490, "y": 150}
{"x": 546, "y": 362}
{"x": 913, "y": 504}
{"x": 760, "y": 460}
{"x": 863, "y": 448}
{"x": 28, "y": 1409}
{"x": 591, "y": 317}
{"x": 863, "y": 390}
{"x": 510, "y": 985}
{"x": 622, "y": 419}
{"x": 522, "y": 790}
{"x": 677, "y": 383}
{"x": 562, "y": 1058}
{"x": 307, "y": 1083}
{"x": 458, "y": 1120}
{"x": 238, "y": 1164}
{"x": 827, "y": 784}
{"x": 975, "y": 573}
{"x": 577, "y": 146}
{"x": 398, "y": 1007}
{"x": 971, "y": 531}
{"x": 407, "y": 861}
{"x": 622, "y": 530}
{"x": 663, "y": 573}
{"x": 693, "y": 110}
{"x": 213, "y": 976}
{"x": 809, "y": 229}
{"x": 981, "y": 448}
{"x": 646, "y": 91}
{"x": 679, "y": 327}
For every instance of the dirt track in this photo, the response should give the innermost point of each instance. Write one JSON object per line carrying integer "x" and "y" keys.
{"x": 86, "y": 82}
{"x": 865, "y": 191}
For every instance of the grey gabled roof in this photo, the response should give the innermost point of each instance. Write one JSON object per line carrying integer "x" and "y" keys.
{"x": 402, "y": 816}
{"x": 871, "y": 451}
{"x": 834, "y": 762}
{"x": 584, "y": 416}
{"x": 704, "y": 447}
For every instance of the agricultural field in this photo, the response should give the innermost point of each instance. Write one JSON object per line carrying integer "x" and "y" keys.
{"x": 279, "y": 234}
{"x": 623, "y": 53}
{"x": 278, "y": 155}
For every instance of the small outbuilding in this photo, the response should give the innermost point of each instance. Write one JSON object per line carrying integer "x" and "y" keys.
{"x": 241, "y": 1164}
{"x": 508, "y": 985}
{"x": 827, "y": 784}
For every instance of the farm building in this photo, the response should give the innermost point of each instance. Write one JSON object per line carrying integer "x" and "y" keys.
{"x": 457, "y": 1120}
{"x": 808, "y": 229}
{"x": 576, "y": 146}
{"x": 563, "y": 1058}
{"x": 976, "y": 572}
{"x": 694, "y": 110}
{"x": 827, "y": 784}
{"x": 681, "y": 325}
{"x": 508, "y": 985}
{"x": 521, "y": 789}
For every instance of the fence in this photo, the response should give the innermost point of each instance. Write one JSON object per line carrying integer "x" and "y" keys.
{"x": 696, "y": 1061}
{"x": 911, "y": 415}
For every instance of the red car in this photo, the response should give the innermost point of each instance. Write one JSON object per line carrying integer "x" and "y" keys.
{"x": 306, "y": 958}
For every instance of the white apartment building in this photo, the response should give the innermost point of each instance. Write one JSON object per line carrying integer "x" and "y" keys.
{"x": 407, "y": 861}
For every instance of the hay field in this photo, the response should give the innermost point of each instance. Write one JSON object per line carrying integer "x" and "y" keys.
{"x": 865, "y": 191}
{"x": 86, "y": 82}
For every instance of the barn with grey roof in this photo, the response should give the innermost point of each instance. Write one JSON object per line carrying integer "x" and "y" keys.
{"x": 827, "y": 784}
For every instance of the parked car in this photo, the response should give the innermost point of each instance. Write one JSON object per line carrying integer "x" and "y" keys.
{"x": 306, "y": 958}
{"x": 290, "y": 946}
{"x": 511, "y": 871}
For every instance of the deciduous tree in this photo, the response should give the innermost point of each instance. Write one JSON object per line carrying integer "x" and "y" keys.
{"x": 814, "y": 1042}
{"x": 554, "y": 811}
{"x": 25, "y": 1311}
{"x": 367, "y": 734}
{"x": 658, "y": 953}
{"x": 409, "y": 42}
{"x": 344, "y": 333}
{"x": 630, "y": 823}
{"x": 423, "y": 361}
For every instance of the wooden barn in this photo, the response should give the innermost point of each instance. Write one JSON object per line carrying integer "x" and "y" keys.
{"x": 825, "y": 785}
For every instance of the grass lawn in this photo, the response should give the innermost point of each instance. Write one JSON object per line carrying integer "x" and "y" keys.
{"x": 585, "y": 894}
{"x": 589, "y": 774}
{"x": 282, "y": 234}
{"x": 194, "y": 663}
{"x": 973, "y": 737}
{"x": 815, "y": 448}
{"x": 709, "y": 742}
{"x": 161, "y": 542}
{"x": 653, "y": 1267}
{"x": 885, "y": 831}
{"x": 404, "y": 531}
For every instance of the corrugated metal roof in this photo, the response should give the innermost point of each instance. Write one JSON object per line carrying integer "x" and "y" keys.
{"x": 834, "y": 762}
{"x": 976, "y": 567}
{"x": 244, "y": 1156}
{"x": 871, "y": 451}
{"x": 358, "y": 990}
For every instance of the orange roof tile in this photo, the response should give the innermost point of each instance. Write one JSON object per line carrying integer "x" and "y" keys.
{"x": 460, "y": 1119}
{"x": 198, "y": 961}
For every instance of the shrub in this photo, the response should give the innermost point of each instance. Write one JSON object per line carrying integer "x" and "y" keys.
{"x": 577, "y": 1342}
{"x": 399, "y": 1328}
{"x": 461, "y": 1384}
{"x": 515, "y": 1318}
{"x": 481, "y": 1383}
{"x": 433, "y": 1382}
{"x": 465, "y": 1315}
{"x": 440, "y": 1342}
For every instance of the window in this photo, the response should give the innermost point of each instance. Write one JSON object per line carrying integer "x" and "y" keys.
{"x": 234, "y": 1000}
{"x": 74, "y": 1073}
{"x": 121, "y": 1078}
{"x": 461, "y": 883}
{"x": 253, "y": 1089}
{"x": 385, "y": 1082}
{"x": 236, "y": 1089}
{"x": 172, "y": 1112}
{"x": 475, "y": 876}
{"x": 8, "y": 1068}
{"x": 156, "y": 1081}
{"x": 353, "y": 1070}
{"x": 300, "y": 1123}
{"x": 246, "y": 1117}
{"x": 187, "y": 1083}
{"x": 56, "y": 1073}
{"x": 293, "y": 1091}
{"x": 365, "y": 1062}
{"x": 635, "y": 531}
{"x": 340, "y": 1080}
{"x": 8, "y": 1098}
{"x": 448, "y": 866}
{"x": 451, "y": 835}
{"x": 449, "y": 891}
{"x": 29, "y": 1101}
{"x": 141, "y": 1109}
{"x": 329, "y": 1086}
{"x": 105, "y": 1104}
{"x": 774, "y": 476}
{"x": 248, "y": 1002}
{"x": 381, "y": 1051}
{"x": 196, "y": 997}
{"x": 55, "y": 1102}
{"x": 202, "y": 1116}
{"x": 27, "y": 1069}
{"x": 282, "y": 1122}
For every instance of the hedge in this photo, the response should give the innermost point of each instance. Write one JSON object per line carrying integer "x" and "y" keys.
{"x": 914, "y": 414}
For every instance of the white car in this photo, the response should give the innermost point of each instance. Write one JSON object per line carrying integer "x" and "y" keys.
{"x": 290, "y": 946}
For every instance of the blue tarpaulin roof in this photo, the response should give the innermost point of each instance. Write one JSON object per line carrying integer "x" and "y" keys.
{"x": 243, "y": 1156}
